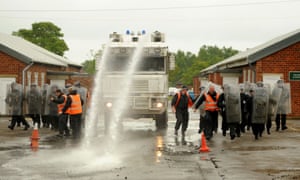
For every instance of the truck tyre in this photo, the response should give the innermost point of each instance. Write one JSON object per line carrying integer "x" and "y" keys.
{"x": 161, "y": 120}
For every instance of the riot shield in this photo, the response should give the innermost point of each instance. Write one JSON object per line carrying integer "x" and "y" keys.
{"x": 51, "y": 107}
{"x": 232, "y": 103}
{"x": 249, "y": 86}
{"x": 260, "y": 105}
{"x": 284, "y": 106}
{"x": 274, "y": 99}
{"x": 33, "y": 99}
{"x": 14, "y": 99}
{"x": 65, "y": 90}
{"x": 43, "y": 98}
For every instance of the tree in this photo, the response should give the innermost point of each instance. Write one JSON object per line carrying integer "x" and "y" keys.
{"x": 89, "y": 66}
{"x": 46, "y": 35}
{"x": 188, "y": 65}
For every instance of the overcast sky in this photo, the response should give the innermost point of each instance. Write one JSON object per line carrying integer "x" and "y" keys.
{"x": 188, "y": 24}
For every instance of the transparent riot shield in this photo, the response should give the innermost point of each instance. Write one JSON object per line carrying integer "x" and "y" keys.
{"x": 33, "y": 99}
{"x": 284, "y": 106}
{"x": 260, "y": 105}
{"x": 232, "y": 103}
{"x": 43, "y": 98}
{"x": 274, "y": 99}
{"x": 51, "y": 107}
{"x": 249, "y": 86}
{"x": 65, "y": 90}
{"x": 14, "y": 99}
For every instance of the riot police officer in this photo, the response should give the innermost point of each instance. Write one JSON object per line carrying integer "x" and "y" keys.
{"x": 211, "y": 110}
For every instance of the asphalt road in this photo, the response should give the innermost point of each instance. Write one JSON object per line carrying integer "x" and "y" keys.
{"x": 138, "y": 151}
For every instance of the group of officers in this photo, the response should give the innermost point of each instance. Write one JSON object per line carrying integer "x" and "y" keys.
{"x": 241, "y": 107}
{"x": 61, "y": 109}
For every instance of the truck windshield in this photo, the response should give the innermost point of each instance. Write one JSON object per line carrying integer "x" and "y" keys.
{"x": 146, "y": 64}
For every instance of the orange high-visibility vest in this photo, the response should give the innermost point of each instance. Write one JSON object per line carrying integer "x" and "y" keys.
{"x": 210, "y": 104}
{"x": 190, "y": 102}
{"x": 76, "y": 107}
{"x": 62, "y": 105}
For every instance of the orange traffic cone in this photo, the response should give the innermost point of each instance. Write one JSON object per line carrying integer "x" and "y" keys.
{"x": 35, "y": 138}
{"x": 203, "y": 147}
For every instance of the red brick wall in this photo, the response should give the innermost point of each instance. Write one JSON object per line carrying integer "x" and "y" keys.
{"x": 215, "y": 78}
{"x": 283, "y": 61}
{"x": 14, "y": 68}
{"x": 196, "y": 85}
{"x": 11, "y": 67}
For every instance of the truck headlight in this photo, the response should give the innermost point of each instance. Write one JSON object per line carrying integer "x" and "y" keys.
{"x": 108, "y": 104}
{"x": 159, "y": 105}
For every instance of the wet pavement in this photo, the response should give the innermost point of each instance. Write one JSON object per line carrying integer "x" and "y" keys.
{"x": 138, "y": 151}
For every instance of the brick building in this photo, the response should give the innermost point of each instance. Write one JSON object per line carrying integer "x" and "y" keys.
{"x": 276, "y": 59}
{"x": 26, "y": 63}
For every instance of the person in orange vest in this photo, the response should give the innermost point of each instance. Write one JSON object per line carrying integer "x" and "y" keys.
{"x": 61, "y": 100}
{"x": 180, "y": 103}
{"x": 211, "y": 111}
{"x": 74, "y": 107}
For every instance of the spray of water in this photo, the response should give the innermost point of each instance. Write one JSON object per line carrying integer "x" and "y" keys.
{"x": 121, "y": 102}
{"x": 93, "y": 112}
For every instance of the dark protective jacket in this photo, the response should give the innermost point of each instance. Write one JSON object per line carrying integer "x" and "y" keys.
{"x": 181, "y": 101}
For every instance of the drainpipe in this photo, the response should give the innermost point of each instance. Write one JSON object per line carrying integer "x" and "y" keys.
{"x": 23, "y": 74}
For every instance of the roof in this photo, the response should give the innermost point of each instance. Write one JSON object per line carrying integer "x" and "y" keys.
{"x": 28, "y": 52}
{"x": 255, "y": 54}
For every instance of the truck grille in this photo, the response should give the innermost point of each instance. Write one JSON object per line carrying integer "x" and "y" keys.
{"x": 140, "y": 85}
{"x": 140, "y": 103}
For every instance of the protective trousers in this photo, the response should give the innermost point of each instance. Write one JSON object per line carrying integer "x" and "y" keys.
{"x": 182, "y": 117}
{"x": 75, "y": 122}
{"x": 62, "y": 124}
{"x": 211, "y": 118}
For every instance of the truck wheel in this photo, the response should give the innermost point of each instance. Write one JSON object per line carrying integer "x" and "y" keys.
{"x": 161, "y": 120}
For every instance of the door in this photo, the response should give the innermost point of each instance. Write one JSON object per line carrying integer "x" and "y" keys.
{"x": 271, "y": 78}
{"x": 230, "y": 80}
{"x": 60, "y": 83}
{"x": 4, "y": 82}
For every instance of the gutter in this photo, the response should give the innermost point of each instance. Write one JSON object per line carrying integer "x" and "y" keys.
{"x": 23, "y": 74}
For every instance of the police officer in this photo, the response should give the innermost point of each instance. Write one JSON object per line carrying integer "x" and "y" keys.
{"x": 201, "y": 110}
{"x": 74, "y": 107}
{"x": 211, "y": 111}
{"x": 180, "y": 103}
{"x": 61, "y": 100}
{"x": 283, "y": 106}
{"x": 230, "y": 101}
{"x": 260, "y": 109}
{"x": 14, "y": 101}
{"x": 244, "y": 98}
{"x": 34, "y": 102}
{"x": 221, "y": 105}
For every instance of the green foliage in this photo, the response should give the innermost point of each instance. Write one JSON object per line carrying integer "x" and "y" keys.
{"x": 89, "y": 66}
{"x": 46, "y": 35}
{"x": 189, "y": 65}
